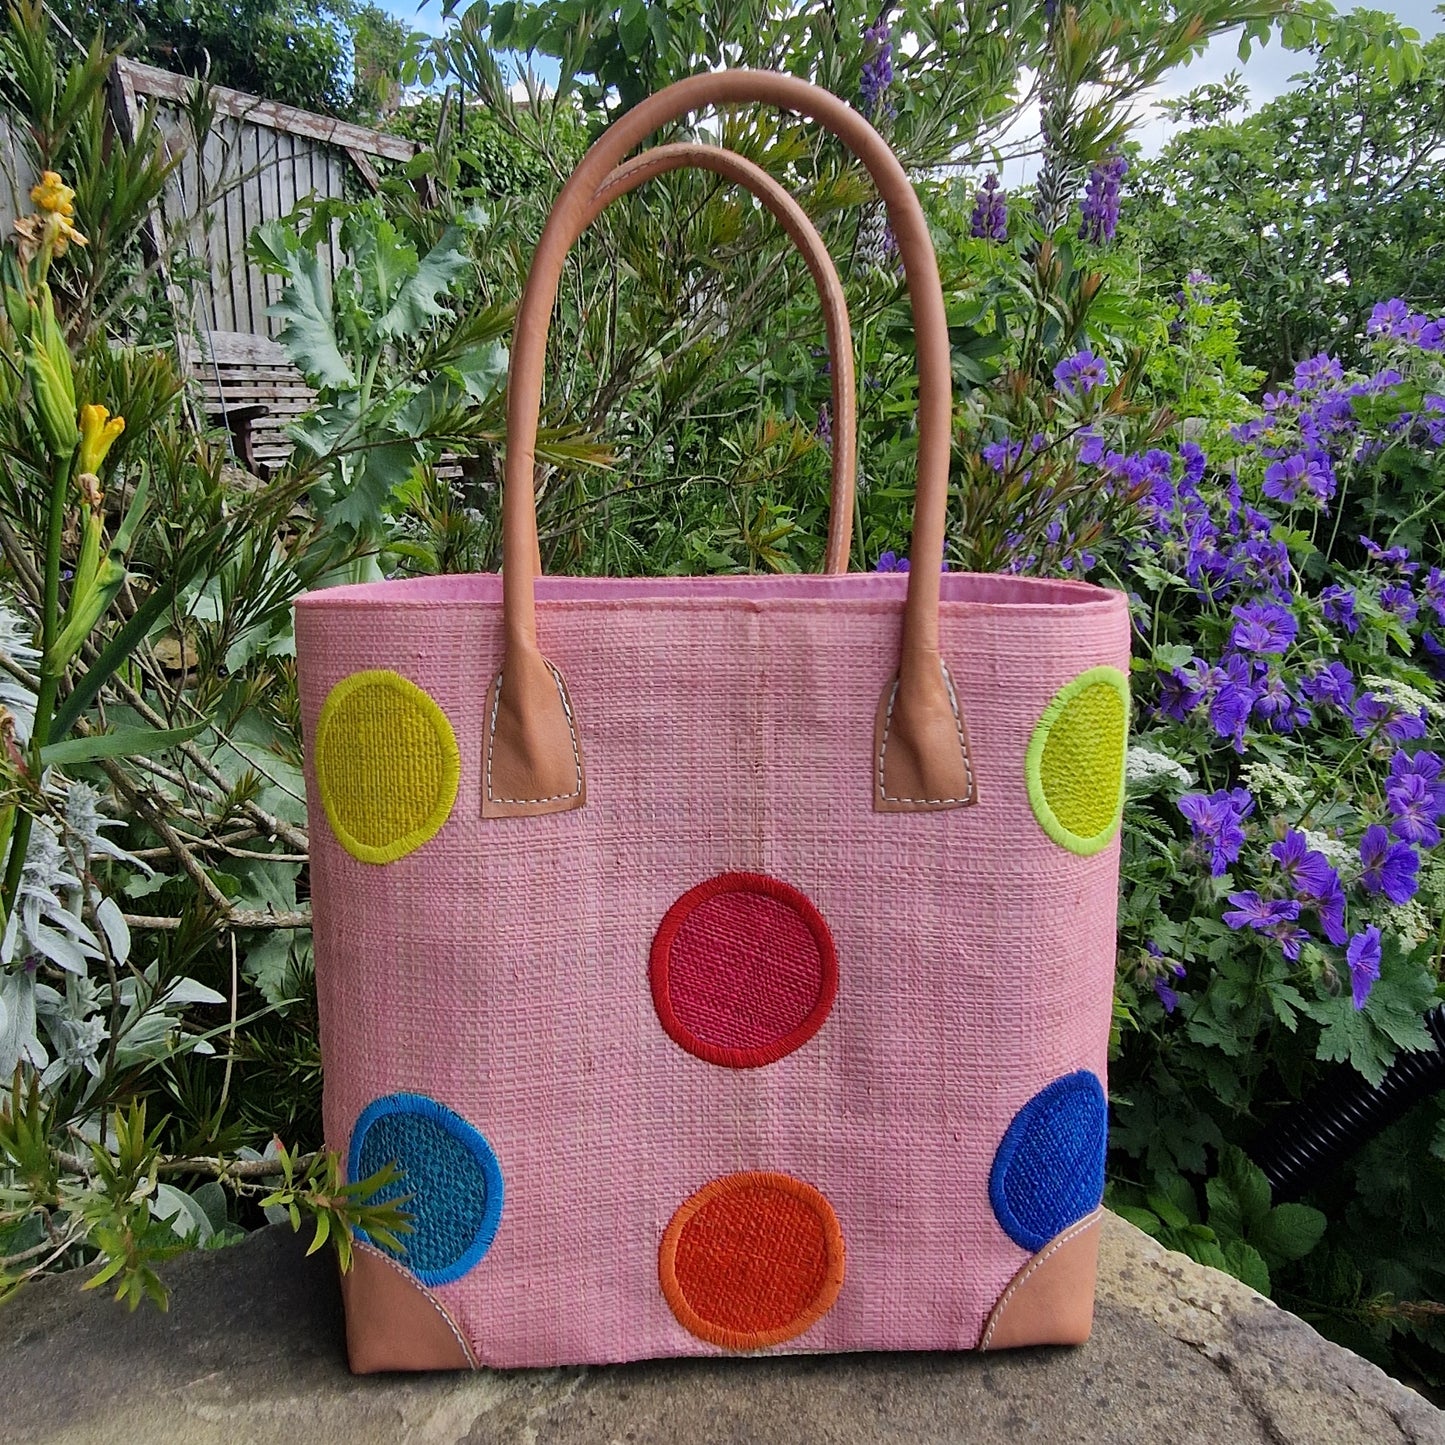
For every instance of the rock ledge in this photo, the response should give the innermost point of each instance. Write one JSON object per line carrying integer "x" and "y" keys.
{"x": 251, "y": 1350}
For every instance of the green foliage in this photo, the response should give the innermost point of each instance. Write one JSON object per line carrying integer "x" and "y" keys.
{"x": 1313, "y": 209}
{"x": 370, "y": 438}
{"x": 333, "y": 56}
{"x": 1241, "y": 1232}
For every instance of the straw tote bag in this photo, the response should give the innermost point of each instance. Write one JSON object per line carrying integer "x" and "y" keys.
{"x": 726, "y": 962}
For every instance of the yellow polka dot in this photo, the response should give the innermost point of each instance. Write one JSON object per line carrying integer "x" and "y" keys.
{"x": 387, "y": 765}
{"x": 1075, "y": 760}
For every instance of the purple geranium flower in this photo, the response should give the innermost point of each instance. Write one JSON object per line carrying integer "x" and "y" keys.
{"x": 1307, "y": 871}
{"x": 1081, "y": 373}
{"x": 1167, "y": 994}
{"x": 1283, "y": 479}
{"x": 1001, "y": 455}
{"x": 1425, "y": 765}
{"x": 1434, "y": 653}
{"x": 890, "y": 561}
{"x": 1401, "y": 601}
{"x": 1363, "y": 957}
{"x": 1413, "y": 801}
{"x": 1390, "y": 867}
{"x": 1233, "y": 699}
{"x": 1387, "y": 318}
{"x": 1272, "y": 916}
{"x": 1390, "y": 556}
{"x": 1339, "y": 608}
{"x": 1217, "y": 820}
{"x": 1263, "y": 627}
{"x": 1373, "y": 712}
{"x": 1317, "y": 371}
{"x": 1432, "y": 591}
{"x": 1332, "y": 686}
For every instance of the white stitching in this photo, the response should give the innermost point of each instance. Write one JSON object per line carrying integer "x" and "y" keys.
{"x": 888, "y": 797}
{"x": 997, "y": 1312}
{"x": 431, "y": 1299}
{"x": 571, "y": 729}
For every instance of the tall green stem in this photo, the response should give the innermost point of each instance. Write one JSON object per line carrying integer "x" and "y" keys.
{"x": 50, "y": 669}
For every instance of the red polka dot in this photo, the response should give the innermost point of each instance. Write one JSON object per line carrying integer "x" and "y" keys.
{"x": 743, "y": 970}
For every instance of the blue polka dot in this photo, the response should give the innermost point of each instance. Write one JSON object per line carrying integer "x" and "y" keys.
{"x": 1049, "y": 1169}
{"x": 450, "y": 1180}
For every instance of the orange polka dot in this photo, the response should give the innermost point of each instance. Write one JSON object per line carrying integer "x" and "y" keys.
{"x": 752, "y": 1260}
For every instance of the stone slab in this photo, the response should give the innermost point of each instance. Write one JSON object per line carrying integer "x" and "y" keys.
{"x": 252, "y": 1350}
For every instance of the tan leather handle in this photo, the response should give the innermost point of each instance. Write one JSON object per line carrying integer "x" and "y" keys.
{"x": 533, "y": 758}
{"x": 794, "y": 220}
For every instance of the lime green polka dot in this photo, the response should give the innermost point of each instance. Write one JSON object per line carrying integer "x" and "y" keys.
{"x": 1075, "y": 761}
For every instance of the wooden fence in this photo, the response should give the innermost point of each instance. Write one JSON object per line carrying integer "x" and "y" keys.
{"x": 258, "y": 160}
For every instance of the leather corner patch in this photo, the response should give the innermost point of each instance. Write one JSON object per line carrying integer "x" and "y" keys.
{"x": 394, "y": 1323}
{"x": 1050, "y": 1301}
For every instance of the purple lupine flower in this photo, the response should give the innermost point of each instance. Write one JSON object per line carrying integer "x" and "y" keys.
{"x": 1339, "y": 608}
{"x": 990, "y": 212}
{"x": 1390, "y": 867}
{"x": 1263, "y": 627}
{"x": 1398, "y": 557}
{"x": 1332, "y": 686}
{"x": 1363, "y": 957}
{"x": 890, "y": 561}
{"x": 1081, "y": 373}
{"x": 1401, "y": 601}
{"x": 824, "y": 428}
{"x": 1217, "y": 821}
{"x": 1101, "y": 200}
{"x": 877, "y": 73}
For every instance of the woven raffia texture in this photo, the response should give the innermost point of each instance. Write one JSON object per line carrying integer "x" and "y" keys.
{"x": 727, "y": 725}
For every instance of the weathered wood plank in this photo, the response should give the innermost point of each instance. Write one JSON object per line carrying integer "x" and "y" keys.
{"x": 272, "y": 114}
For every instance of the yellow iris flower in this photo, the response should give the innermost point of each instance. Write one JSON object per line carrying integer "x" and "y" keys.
{"x": 98, "y": 431}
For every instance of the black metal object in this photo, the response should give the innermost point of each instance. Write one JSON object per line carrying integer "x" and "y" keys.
{"x": 1344, "y": 1113}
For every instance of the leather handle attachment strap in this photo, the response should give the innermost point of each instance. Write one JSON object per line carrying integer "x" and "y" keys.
{"x": 532, "y": 754}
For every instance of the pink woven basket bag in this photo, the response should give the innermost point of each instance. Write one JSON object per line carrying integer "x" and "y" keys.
{"x": 725, "y": 962}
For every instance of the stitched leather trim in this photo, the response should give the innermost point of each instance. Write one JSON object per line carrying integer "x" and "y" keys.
{"x": 540, "y": 716}
{"x": 1050, "y": 1301}
{"x": 930, "y": 770}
